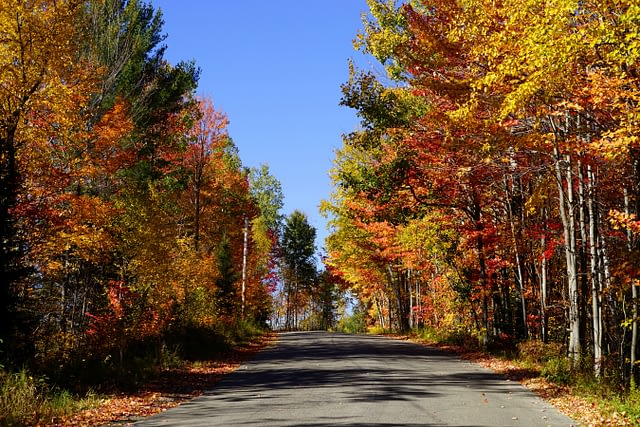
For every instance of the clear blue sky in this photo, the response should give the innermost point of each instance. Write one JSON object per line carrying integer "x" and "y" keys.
{"x": 275, "y": 68}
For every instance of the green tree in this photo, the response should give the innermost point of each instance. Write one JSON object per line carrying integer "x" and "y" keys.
{"x": 266, "y": 191}
{"x": 298, "y": 265}
{"x": 227, "y": 279}
{"x": 328, "y": 295}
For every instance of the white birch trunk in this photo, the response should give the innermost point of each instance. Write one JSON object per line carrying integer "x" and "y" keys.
{"x": 567, "y": 216}
{"x": 596, "y": 312}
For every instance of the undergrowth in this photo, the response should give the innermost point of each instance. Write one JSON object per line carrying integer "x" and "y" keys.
{"x": 28, "y": 400}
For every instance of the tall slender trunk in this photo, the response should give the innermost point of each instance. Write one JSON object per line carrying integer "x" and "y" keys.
{"x": 196, "y": 217}
{"x": 411, "y": 311}
{"x": 582, "y": 250}
{"x": 243, "y": 296}
{"x": 485, "y": 289}
{"x": 543, "y": 282}
{"x": 567, "y": 215}
{"x": 596, "y": 312}
{"x": 634, "y": 297}
{"x": 419, "y": 320}
{"x": 397, "y": 282}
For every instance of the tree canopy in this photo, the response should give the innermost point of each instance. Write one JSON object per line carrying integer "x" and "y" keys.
{"x": 122, "y": 197}
{"x": 492, "y": 187}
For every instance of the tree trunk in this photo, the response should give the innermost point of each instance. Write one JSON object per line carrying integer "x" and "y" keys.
{"x": 634, "y": 297}
{"x": 596, "y": 312}
{"x": 582, "y": 251}
{"x": 516, "y": 249}
{"x": 244, "y": 266}
{"x": 543, "y": 283}
{"x": 567, "y": 216}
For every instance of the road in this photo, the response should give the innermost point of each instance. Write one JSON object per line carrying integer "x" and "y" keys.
{"x": 325, "y": 379}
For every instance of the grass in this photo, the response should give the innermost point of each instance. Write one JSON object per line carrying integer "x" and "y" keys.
{"x": 27, "y": 400}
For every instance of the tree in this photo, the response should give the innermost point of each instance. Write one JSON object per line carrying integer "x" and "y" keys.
{"x": 227, "y": 280}
{"x": 266, "y": 229}
{"x": 520, "y": 149}
{"x": 266, "y": 190}
{"x": 207, "y": 135}
{"x": 298, "y": 265}
{"x": 43, "y": 84}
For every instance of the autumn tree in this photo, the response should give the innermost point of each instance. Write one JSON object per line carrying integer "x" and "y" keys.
{"x": 519, "y": 154}
{"x": 266, "y": 229}
{"x": 43, "y": 85}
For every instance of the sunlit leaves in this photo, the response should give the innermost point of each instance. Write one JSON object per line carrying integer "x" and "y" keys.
{"x": 120, "y": 189}
{"x": 502, "y": 115}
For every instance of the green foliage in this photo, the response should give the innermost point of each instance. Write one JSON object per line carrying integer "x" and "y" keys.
{"x": 384, "y": 34}
{"x": 298, "y": 266}
{"x": 557, "y": 370}
{"x": 20, "y": 398}
{"x": 355, "y": 323}
{"x": 629, "y": 404}
{"x": 198, "y": 342}
{"x": 431, "y": 335}
{"x": 266, "y": 190}
{"x": 377, "y": 330}
{"x": 550, "y": 358}
{"x": 228, "y": 277}
{"x": 379, "y": 107}
{"x": 537, "y": 352}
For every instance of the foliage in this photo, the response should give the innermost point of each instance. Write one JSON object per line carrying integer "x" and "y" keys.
{"x": 123, "y": 202}
{"x": 266, "y": 190}
{"x": 298, "y": 267}
{"x": 355, "y": 323}
{"x": 491, "y": 190}
{"x": 629, "y": 404}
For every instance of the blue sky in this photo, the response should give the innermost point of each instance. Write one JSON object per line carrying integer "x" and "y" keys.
{"x": 275, "y": 68}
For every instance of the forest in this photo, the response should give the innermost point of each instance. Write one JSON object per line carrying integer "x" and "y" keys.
{"x": 492, "y": 189}
{"x": 489, "y": 195}
{"x": 131, "y": 234}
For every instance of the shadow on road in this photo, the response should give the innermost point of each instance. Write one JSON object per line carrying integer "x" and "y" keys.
{"x": 319, "y": 379}
{"x": 299, "y": 363}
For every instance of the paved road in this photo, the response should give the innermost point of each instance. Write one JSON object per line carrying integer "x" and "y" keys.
{"x": 324, "y": 379}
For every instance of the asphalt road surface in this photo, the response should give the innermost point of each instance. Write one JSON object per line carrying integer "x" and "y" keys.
{"x": 325, "y": 379}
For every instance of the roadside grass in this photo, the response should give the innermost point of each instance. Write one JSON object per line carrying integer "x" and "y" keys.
{"x": 149, "y": 383}
{"x": 28, "y": 400}
{"x": 544, "y": 369}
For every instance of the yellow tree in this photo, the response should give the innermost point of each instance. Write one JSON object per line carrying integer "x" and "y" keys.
{"x": 41, "y": 83}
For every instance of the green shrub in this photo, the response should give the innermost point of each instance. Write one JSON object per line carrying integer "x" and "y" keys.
{"x": 628, "y": 404}
{"x": 240, "y": 332}
{"x": 538, "y": 353}
{"x": 430, "y": 334}
{"x": 376, "y": 330}
{"x": 557, "y": 370}
{"x": 632, "y": 403}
